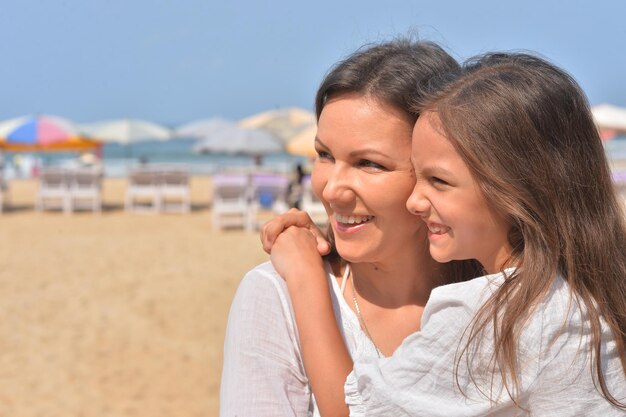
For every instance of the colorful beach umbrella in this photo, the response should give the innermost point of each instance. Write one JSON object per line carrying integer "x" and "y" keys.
{"x": 42, "y": 133}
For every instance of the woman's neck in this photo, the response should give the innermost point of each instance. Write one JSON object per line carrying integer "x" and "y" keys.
{"x": 404, "y": 281}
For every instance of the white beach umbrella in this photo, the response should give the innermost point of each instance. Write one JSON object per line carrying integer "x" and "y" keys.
{"x": 126, "y": 131}
{"x": 608, "y": 116}
{"x": 283, "y": 123}
{"x": 201, "y": 128}
{"x": 235, "y": 140}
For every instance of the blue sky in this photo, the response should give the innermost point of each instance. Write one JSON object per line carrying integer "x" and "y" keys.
{"x": 173, "y": 61}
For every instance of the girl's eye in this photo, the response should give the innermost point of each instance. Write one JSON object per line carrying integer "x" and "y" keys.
{"x": 370, "y": 164}
{"x": 438, "y": 181}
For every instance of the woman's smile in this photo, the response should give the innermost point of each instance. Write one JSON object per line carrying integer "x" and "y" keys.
{"x": 350, "y": 224}
{"x": 363, "y": 175}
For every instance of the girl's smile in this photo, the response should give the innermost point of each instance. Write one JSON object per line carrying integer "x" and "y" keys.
{"x": 461, "y": 224}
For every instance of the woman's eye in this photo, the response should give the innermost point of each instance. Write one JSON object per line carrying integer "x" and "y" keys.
{"x": 370, "y": 164}
{"x": 323, "y": 154}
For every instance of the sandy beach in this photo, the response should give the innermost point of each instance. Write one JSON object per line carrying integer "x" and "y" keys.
{"x": 115, "y": 314}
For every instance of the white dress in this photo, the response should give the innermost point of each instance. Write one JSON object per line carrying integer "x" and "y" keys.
{"x": 418, "y": 380}
{"x": 263, "y": 373}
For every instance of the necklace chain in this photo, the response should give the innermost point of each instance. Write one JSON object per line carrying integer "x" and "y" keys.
{"x": 360, "y": 317}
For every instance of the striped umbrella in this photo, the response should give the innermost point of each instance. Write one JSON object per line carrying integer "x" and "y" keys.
{"x": 42, "y": 133}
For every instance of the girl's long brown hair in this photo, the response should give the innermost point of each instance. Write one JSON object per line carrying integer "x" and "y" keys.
{"x": 524, "y": 128}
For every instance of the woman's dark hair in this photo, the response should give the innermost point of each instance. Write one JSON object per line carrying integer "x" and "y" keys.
{"x": 391, "y": 72}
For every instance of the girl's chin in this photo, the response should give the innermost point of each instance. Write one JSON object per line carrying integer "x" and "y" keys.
{"x": 440, "y": 257}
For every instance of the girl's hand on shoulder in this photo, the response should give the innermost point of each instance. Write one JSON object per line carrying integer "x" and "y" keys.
{"x": 273, "y": 228}
{"x": 295, "y": 253}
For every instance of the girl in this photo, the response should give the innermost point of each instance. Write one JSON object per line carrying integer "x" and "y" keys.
{"x": 511, "y": 172}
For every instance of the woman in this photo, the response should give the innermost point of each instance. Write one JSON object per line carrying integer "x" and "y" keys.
{"x": 363, "y": 175}
{"x": 510, "y": 171}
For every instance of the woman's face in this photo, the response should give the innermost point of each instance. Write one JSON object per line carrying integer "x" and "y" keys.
{"x": 461, "y": 224}
{"x": 363, "y": 175}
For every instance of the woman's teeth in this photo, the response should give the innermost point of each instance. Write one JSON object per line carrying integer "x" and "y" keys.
{"x": 352, "y": 219}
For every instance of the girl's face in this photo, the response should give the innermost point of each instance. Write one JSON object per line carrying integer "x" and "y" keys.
{"x": 363, "y": 175}
{"x": 461, "y": 224}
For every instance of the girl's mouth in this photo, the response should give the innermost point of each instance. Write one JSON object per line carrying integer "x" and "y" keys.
{"x": 436, "y": 230}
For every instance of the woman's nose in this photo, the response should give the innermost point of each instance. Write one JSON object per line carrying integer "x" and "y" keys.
{"x": 339, "y": 187}
{"x": 417, "y": 202}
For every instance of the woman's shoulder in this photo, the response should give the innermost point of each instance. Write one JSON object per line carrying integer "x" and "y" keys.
{"x": 262, "y": 275}
{"x": 262, "y": 283}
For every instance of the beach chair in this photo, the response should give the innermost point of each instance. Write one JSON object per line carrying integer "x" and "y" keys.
{"x": 143, "y": 193}
{"x": 311, "y": 204}
{"x": 54, "y": 192}
{"x": 268, "y": 197}
{"x": 175, "y": 193}
{"x": 85, "y": 189}
{"x": 231, "y": 205}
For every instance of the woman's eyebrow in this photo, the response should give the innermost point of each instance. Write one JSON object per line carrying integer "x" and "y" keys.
{"x": 358, "y": 152}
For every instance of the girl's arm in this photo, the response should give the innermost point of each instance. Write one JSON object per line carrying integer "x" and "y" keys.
{"x": 326, "y": 359}
{"x": 294, "y": 217}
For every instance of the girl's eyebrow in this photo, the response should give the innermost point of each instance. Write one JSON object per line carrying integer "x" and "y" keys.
{"x": 439, "y": 170}
{"x": 435, "y": 170}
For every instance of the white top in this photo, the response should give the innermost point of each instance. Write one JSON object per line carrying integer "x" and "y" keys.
{"x": 263, "y": 373}
{"x": 418, "y": 380}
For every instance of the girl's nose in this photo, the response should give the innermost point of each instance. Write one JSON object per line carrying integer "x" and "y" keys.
{"x": 417, "y": 203}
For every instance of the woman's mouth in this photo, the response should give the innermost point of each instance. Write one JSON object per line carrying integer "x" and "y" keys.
{"x": 348, "y": 221}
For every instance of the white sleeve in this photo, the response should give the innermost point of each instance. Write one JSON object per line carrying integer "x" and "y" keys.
{"x": 263, "y": 373}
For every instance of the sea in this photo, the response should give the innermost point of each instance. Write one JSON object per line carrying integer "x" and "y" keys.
{"x": 117, "y": 160}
